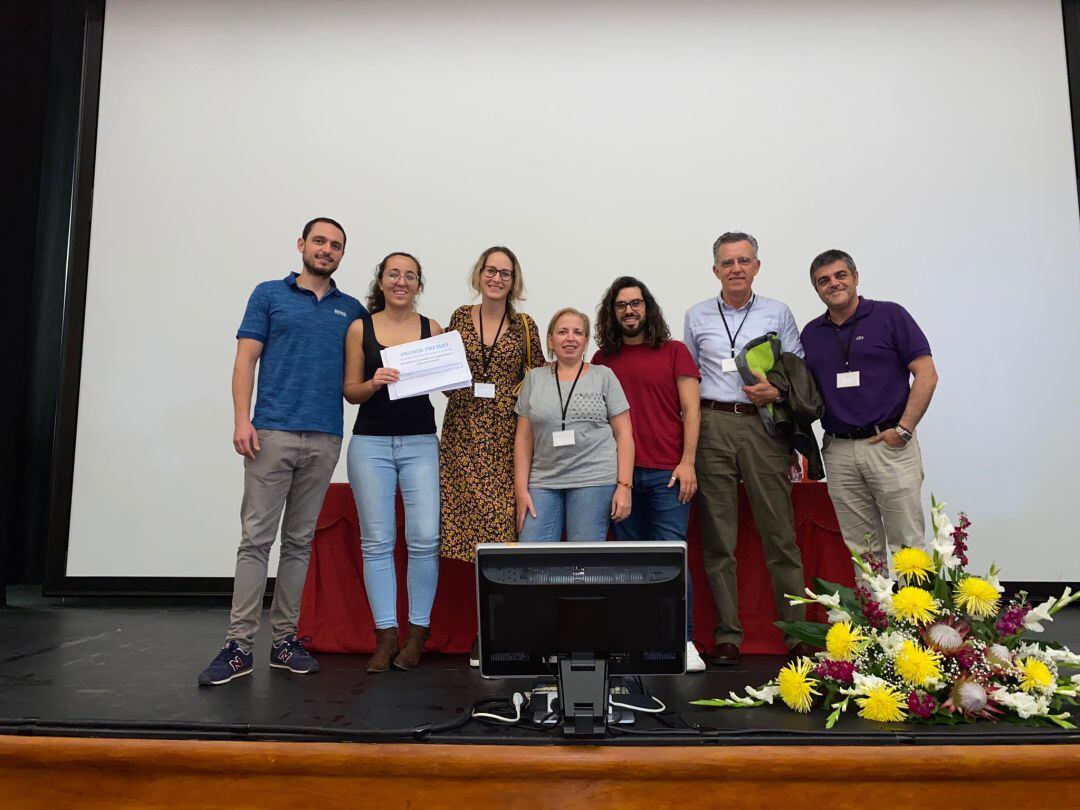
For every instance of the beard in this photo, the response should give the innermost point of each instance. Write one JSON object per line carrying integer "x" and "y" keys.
{"x": 632, "y": 331}
{"x": 316, "y": 270}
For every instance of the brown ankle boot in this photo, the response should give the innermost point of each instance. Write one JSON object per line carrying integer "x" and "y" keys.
{"x": 409, "y": 657}
{"x": 385, "y": 650}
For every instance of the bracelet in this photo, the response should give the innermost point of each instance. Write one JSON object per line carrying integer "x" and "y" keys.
{"x": 624, "y": 484}
{"x": 903, "y": 432}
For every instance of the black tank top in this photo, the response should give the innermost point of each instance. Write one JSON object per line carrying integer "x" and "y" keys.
{"x": 382, "y": 416}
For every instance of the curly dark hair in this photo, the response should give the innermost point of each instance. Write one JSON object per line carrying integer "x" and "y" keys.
{"x": 609, "y": 337}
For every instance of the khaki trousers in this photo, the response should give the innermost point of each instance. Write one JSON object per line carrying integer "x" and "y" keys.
{"x": 733, "y": 446}
{"x": 876, "y": 490}
{"x": 291, "y": 472}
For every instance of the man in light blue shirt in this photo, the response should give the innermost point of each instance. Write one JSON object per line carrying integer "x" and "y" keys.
{"x": 734, "y": 444}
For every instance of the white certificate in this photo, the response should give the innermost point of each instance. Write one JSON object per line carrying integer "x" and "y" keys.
{"x": 429, "y": 365}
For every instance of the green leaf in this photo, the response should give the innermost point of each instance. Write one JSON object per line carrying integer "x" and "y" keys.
{"x": 811, "y": 632}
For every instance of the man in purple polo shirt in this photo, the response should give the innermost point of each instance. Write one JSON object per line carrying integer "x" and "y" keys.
{"x": 872, "y": 363}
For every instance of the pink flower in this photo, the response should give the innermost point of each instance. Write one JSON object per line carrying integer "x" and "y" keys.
{"x": 840, "y": 671}
{"x": 921, "y": 705}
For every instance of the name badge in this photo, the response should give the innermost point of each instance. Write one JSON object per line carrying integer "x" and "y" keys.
{"x": 727, "y": 365}
{"x": 484, "y": 390}
{"x": 847, "y": 379}
{"x": 562, "y": 438}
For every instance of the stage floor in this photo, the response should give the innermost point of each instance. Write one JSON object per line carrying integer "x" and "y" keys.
{"x": 128, "y": 668}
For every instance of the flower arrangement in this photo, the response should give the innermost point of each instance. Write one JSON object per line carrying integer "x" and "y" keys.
{"x": 936, "y": 644}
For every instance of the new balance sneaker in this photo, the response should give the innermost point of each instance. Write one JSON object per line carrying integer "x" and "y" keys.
{"x": 694, "y": 661}
{"x": 291, "y": 654}
{"x": 232, "y": 661}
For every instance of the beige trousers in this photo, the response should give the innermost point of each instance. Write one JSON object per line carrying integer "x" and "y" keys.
{"x": 876, "y": 490}
{"x": 291, "y": 472}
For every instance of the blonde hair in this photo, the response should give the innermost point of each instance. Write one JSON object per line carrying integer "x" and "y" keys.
{"x": 555, "y": 319}
{"x": 517, "y": 283}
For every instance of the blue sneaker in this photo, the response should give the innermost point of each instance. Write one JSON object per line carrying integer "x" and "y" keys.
{"x": 290, "y": 654}
{"x": 231, "y": 662}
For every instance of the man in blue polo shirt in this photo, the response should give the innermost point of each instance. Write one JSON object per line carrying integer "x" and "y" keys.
{"x": 295, "y": 330}
{"x": 863, "y": 354}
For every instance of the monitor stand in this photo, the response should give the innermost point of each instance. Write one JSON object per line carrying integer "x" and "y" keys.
{"x": 579, "y": 700}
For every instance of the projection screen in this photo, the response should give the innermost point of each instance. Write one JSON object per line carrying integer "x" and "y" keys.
{"x": 932, "y": 141}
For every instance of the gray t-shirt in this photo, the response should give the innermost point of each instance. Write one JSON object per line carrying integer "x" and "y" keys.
{"x": 591, "y": 460}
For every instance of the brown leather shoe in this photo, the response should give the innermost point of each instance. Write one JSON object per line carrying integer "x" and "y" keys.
{"x": 385, "y": 650}
{"x": 803, "y": 650}
{"x": 409, "y": 657}
{"x": 724, "y": 655}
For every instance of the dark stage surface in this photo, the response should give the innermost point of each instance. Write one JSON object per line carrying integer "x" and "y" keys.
{"x": 128, "y": 669}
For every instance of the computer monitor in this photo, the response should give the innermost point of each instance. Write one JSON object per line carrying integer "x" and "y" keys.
{"x": 581, "y": 612}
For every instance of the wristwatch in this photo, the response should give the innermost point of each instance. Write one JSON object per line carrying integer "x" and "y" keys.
{"x": 903, "y": 432}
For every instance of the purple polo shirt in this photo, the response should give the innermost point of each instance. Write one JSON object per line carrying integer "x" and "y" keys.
{"x": 883, "y": 340}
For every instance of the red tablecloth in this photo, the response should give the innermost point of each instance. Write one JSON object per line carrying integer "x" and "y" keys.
{"x": 335, "y": 612}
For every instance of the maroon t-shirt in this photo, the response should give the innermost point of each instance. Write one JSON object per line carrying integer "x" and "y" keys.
{"x": 648, "y": 378}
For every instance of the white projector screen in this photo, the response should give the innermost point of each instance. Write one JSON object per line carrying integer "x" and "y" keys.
{"x": 932, "y": 141}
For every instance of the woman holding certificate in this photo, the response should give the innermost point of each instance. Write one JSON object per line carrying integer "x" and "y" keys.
{"x": 574, "y": 448}
{"x": 477, "y": 469}
{"x": 393, "y": 445}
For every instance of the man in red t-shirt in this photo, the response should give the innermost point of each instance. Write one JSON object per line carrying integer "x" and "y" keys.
{"x": 661, "y": 382}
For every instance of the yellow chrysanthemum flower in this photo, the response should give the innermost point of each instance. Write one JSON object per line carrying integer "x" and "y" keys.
{"x": 913, "y": 564}
{"x": 914, "y": 605}
{"x": 918, "y": 666}
{"x": 977, "y": 596}
{"x": 843, "y": 641}
{"x": 1036, "y": 675}
{"x": 882, "y": 704}
{"x": 796, "y": 687}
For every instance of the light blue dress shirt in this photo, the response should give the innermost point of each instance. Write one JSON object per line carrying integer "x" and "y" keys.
{"x": 708, "y": 341}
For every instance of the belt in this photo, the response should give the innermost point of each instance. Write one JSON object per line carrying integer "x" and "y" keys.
{"x": 741, "y": 408}
{"x": 865, "y": 432}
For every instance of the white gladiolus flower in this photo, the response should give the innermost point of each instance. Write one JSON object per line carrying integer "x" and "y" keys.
{"x": 994, "y": 583}
{"x": 766, "y": 693}
{"x": 1022, "y": 703}
{"x": 837, "y": 616}
{"x": 862, "y": 684}
{"x": 1036, "y": 616}
{"x": 891, "y": 642}
{"x": 945, "y": 550}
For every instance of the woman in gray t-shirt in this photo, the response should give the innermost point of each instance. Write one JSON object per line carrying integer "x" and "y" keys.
{"x": 574, "y": 449}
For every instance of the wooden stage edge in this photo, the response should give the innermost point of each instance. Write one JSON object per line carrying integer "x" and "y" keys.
{"x": 110, "y": 773}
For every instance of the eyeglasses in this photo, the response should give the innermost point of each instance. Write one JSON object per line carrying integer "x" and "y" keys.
{"x": 636, "y": 303}
{"x": 491, "y": 272}
{"x": 410, "y": 278}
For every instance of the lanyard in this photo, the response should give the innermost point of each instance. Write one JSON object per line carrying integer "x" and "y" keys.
{"x": 485, "y": 355}
{"x": 569, "y": 396}
{"x": 731, "y": 337}
{"x": 845, "y": 350}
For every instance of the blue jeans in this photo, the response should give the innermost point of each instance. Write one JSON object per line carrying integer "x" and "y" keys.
{"x": 656, "y": 514}
{"x": 378, "y": 465}
{"x": 585, "y": 512}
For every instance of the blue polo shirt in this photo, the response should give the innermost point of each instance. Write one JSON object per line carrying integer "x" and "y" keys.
{"x": 880, "y": 340}
{"x": 302, "y": 365}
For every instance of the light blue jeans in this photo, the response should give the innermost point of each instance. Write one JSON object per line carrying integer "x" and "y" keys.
{"x": 378, "y": 466}
{"x": 584, "y": 511}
